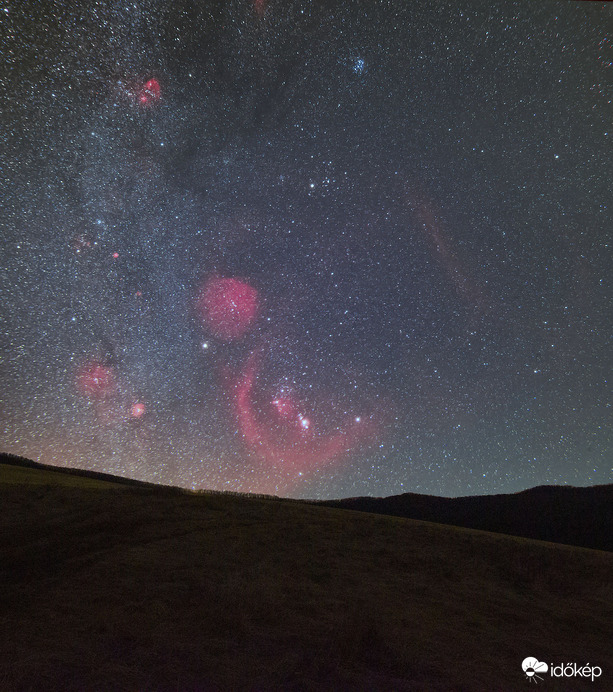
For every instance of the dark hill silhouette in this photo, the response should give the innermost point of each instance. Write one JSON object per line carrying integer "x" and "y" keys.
{"x": 558, "y": 513}
{"x": 16, "y": 460}
{"x": 565, "y": 514}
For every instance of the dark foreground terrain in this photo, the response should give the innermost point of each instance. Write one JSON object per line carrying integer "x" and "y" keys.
{"x": 558, "y": 513}
{"x": 108, "y": 586}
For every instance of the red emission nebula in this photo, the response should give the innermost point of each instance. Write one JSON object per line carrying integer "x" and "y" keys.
{"x": 150, "y": 92}
{"x": 279, "y": 429}
{"x": 284, "y": 436}
{"x": 228, "y": 306}
{"x": 96, "y": 381}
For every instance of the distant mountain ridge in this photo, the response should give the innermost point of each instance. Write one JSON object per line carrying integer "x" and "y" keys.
{"x": 557, "y": 513}
{"x": 564, "y": 514}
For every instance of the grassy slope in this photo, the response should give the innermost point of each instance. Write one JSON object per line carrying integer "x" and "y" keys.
{"x": 18, "y": 475}
{"x": 561, "y": 514}
{"x": 137, "y": 589}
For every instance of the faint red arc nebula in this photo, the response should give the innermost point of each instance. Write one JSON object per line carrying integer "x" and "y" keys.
{"x": 287, "y": 441}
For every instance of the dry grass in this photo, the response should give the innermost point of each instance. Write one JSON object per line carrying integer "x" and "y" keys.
{"x": 19, "y": 475}
{"x": 134, "y": 589}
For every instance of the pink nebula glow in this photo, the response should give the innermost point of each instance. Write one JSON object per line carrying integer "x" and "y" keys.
{"x": 228, "y": 306}
{"x": 150, "y": 92}
{"x": 289, "y": 440}
{"x": 96, "y": 381}
{"x": 259, "y": 7}
{"x": 137, "y": 410}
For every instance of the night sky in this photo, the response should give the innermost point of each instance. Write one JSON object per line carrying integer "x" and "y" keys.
{"x": 309, "y": 248}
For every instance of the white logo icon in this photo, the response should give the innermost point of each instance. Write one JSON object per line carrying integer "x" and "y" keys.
{"x": 532, "y": 666}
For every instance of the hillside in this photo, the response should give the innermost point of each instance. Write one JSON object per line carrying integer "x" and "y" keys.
{"x": 561, "y": 514}
{"x": 120, "y": 587}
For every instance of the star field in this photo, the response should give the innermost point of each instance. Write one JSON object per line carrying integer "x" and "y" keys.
{"x": 314, "y": 249}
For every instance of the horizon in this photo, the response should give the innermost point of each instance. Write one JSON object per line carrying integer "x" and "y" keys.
{"x": 104, "y": 475}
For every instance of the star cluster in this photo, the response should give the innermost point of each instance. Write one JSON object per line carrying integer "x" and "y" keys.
{"x": 315, "y": 249}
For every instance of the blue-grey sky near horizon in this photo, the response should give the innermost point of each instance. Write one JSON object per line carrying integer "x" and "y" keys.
{"x": 315, "y": 249}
